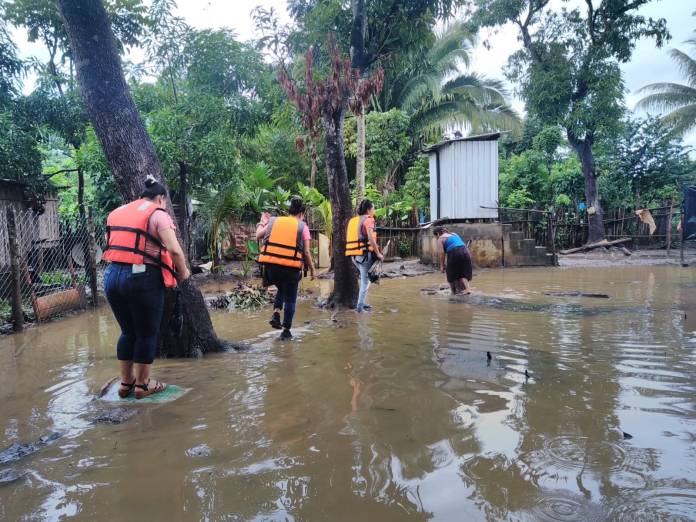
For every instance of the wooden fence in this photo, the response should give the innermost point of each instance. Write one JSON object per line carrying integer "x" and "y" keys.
{"x": 570, "y": 229}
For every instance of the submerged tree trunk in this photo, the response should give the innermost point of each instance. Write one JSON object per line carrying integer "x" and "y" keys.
{"x": 360, "y": 158}
{"x": 595, "y": 213}
{"x": 345, "y": 289}
{"x": 127, "y": 147}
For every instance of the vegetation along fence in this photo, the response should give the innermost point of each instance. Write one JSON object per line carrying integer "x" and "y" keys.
{"x": 46, "y": 271}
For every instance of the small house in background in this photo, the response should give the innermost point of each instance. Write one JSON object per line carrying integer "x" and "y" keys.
{"x": 464, "y": 197}
{"x": 464, "y": 178}
{"x": 44, "y": 228}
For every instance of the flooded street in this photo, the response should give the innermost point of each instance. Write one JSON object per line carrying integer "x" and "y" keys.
{"x": 397, "y": 415}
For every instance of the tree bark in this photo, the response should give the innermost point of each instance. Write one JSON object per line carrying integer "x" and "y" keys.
{"x": 345, "y": 289}
{"x": 360, "y": 158}
{"x": 183, "y": 218}
{"x": 595, "y": 213}
{"x": 127, "y": 148}
{"x": 359, "y": 61}
{"x": 313, "y": 168}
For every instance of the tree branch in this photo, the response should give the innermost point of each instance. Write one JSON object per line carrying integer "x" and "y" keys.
{"x": 49, "y": 175}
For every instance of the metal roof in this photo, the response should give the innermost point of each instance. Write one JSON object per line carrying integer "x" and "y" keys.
{"x": 492, "y": 136}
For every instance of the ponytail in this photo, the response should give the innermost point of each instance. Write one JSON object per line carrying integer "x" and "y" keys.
{"x": 365, "y": 206}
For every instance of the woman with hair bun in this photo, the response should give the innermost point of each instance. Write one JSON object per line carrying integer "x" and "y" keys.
{"x": 285, "y": 250}
{"x": 145, "y": 258}
{"x": 362, "y": 247}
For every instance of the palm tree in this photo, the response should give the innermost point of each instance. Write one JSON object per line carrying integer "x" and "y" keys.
{"x": 678, "y": 100}
{"x": 437, "y": 95}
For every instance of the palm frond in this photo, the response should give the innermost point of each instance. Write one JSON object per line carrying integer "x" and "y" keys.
{"x": 666, "y": 101}
{"x": 682, "y": 120}
{"x": 686, "y": 65}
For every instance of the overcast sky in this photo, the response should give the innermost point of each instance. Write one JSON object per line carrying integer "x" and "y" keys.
{"x": 649, "y": 64}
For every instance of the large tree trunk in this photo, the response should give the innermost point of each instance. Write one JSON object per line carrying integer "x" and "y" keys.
{"x": 127, "y": 147}
{"x": 360, "y": 158}
{"x": 345, "y": 289}
{"x": 595, "y": 214}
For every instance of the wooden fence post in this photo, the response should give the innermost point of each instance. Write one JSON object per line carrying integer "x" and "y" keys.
{"x": 669, "y": 227}
{"x": 92, "y": 262}
{"x": 552, "y": 237}
{"x": 17, "y": 312}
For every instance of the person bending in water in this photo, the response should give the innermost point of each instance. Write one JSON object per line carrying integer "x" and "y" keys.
{"x": 455, "y": 259}
{"x": 143, "y": 252}
{"x": 285, "y": 248}
{"x": 361, "y": 246}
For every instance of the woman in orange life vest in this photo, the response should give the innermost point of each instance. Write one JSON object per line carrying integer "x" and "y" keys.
{"x": 361, "y": 245}
{"x": 145, "y": 258}
{"x": 285, "y": 248}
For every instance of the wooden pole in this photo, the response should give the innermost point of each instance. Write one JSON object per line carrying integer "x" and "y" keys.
{"x": 669, "y": 228}
{"x": 683, "y": 234}
{"x": 552, "y": 238}
{"x": 91, "y": 264}
{"x": 17, "y": 312}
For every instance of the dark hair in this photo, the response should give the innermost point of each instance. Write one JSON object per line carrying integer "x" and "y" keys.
{"x": 297, "y": 206}
{"x": 438, "y": 231}
{"x": 153, "y": 188}
{"x": 365, "y": 206}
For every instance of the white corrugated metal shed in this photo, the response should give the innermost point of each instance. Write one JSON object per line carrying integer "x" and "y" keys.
{"x": 464, "y": 177}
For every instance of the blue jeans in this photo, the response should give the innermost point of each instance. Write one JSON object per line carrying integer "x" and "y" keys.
{"x": 137, "y": 301}
{"x": 363, "y": 264}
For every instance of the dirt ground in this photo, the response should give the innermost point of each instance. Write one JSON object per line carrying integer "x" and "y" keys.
{"x": 604, "y": 258}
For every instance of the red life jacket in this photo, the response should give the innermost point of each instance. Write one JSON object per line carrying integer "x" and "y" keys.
{"x": 126, "y": 233}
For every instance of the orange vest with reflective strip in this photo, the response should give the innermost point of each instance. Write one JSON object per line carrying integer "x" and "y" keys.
{"x": 126, "y": 233}
{"x": 357, "y": 243}
{"x": 282, "y": 243}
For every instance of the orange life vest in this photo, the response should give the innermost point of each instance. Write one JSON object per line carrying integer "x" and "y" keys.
{"x": 126, "y": 232}
{"x": 357, "y": 243}
{"x": 282, "y": 243}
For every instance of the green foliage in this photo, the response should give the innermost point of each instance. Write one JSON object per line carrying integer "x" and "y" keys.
{"x": 417, "y": 184}
{"x": 678, "y": 100}
{"x": 520, "y": 198}
{"x": 105, "y": 196}
{"x": 436, "y": 95}
{"x": 386, "y": 145}
{"x": 19, "y": 156}
{"x": 646, "y": 164}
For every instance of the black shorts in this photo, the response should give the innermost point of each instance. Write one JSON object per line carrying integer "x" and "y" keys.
{"x": 459, "y": 264}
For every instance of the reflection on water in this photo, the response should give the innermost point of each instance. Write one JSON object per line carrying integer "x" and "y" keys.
{"x": 397, "y": 415}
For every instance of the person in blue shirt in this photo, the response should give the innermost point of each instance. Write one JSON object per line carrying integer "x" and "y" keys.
{"x": 455, "y": 260}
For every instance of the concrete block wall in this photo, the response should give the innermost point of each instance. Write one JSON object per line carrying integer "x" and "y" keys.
{"x": 492, "y": 245}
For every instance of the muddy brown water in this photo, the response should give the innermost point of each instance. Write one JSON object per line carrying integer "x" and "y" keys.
{"x": 391, "y": 416}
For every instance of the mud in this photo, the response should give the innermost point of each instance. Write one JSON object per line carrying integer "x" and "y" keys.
{"x": 506, "y": 405}
{"x": 18, "y": 451}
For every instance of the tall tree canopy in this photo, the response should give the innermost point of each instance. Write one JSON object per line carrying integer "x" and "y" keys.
{"x": 568, "y": 69}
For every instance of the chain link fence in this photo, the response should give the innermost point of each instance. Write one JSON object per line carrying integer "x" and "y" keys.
{"x": 48, "y": 266}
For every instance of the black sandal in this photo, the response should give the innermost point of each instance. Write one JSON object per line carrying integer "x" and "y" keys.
{"x": 159, "y": 387}
{"x": 123, "y": 394}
